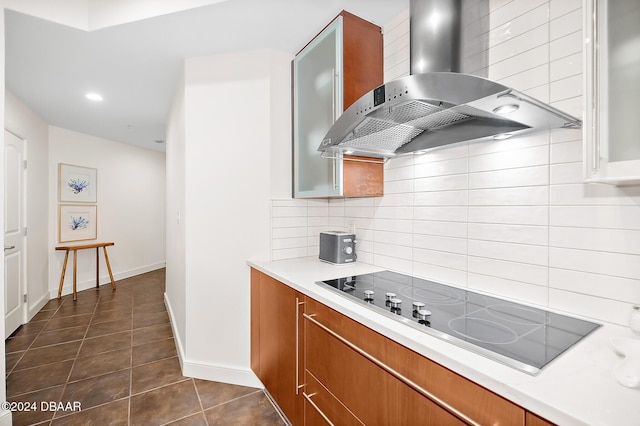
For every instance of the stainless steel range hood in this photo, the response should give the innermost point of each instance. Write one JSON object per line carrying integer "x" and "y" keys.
{"x": 434, "y": 106}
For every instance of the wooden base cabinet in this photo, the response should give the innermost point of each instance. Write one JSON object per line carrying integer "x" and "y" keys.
{"x": 324, "y": 368}
{"x": 275, "y": 342}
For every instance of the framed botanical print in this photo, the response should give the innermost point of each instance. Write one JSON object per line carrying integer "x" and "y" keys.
{"x": 77, "y": 222}
{"x": 77, "y": 184}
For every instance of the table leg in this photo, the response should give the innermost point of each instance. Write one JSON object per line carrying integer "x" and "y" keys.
{"x": 106, "y": 258}
{"x": 75, "y": 263}
{"x": 64, "y": 268}
{"x": 97, "y": 267}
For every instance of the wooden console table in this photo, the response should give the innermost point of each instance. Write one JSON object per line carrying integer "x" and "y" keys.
{"x": 75, "y": 257}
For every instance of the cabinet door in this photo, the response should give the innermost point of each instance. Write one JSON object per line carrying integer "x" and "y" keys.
{"x": 317, "y": 102}
{"x": 612, "y": 70}
{"x": 278, "y": 344}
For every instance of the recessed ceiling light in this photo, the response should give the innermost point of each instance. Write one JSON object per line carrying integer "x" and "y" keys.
{"x": 93, "y": 97}
{"x": 506, "y": 109}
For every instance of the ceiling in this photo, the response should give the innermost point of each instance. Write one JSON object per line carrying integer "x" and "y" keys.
{"x": 136, "y": 66}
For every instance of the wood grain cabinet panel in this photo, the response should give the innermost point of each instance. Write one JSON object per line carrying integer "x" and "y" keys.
{"x": 534, "y": 420}
{"x": 363, "y": 176}
{"x": 275, "y": 350}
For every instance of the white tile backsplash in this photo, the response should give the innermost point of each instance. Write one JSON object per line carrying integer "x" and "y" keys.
{"x": 520, "y": 63}
{"x": 511, "y": 217}
{"x": 522, "y": 176}
{"x": 566, "y": 152}
{"x": 523, "y": 43}
{"x": 521, "y": 253}
{"x": 513, "y": 289}
{"x": 511, "y": 233}
{"x": 565, "y": 46}
{"x": 524, "y": 21}
{"x": 521, "y": 272}
{"x": 515, "y": 215}
{"x": 565, "y": 24}
{"x": 559, "y": 8}
{"x": 566, "y": 88}
{"x": 532, "y": 78}
{"x": 566, "y": 66}
{"x": 512, "y": 10}
{"x": 515, "y": 196}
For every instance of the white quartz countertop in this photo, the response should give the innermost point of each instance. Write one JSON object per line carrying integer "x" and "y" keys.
{"x": 577, "y": 388}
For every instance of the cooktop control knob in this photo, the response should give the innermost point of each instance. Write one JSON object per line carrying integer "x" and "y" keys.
{"x": 395, "y": 303}
{"x": 368, "y": 294}
{"x": 424, "y": 315}
{"x": 389, "y": 296}
{"x": 417, "y": 306}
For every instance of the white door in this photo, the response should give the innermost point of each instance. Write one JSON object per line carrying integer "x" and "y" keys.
{"x": 14, "y": 254}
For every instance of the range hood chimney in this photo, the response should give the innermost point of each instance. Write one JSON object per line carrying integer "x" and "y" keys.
{"x": 436, "y": 105}
{"x": 435, "y": 34}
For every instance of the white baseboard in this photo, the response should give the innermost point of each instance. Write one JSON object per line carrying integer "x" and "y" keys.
{"x": 176, "y": 335}
{"x": 218, "y": 373}
{"x": 67, "y": 288}
{"x": 5, "y": 418}
{"x": 35, "y": 308}
{"x": 207, "y": 371}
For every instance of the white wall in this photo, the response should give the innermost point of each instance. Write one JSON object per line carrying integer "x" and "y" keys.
{"x": 509, "y": 217}
{"x": 131, "y": 207}
{"x": 176, "y": 289}
{"x": 23, "y": 122}
{"x": 233, "y": 108}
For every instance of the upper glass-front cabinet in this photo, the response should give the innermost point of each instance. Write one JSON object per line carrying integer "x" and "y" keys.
{"x": 612, "y": 78}
{"x": 317, "y": 102}
{"x": 334, "y": 70}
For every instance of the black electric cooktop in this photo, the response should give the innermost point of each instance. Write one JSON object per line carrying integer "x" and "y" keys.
{"x": 520, "y": 336}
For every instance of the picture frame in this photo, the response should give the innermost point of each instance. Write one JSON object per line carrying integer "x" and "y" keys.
{"x": 77, "y": 184}
{"x": 77, "y": 222}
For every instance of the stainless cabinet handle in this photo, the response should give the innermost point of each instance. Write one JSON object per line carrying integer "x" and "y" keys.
{"x": 442, "y": 404}
{"x": 334, "y": 76}
{"x": 595, "y": 72}
{"x": 334, "y": 171}
{"x": 298, "y": 385}
{"x": 9, "y": 247}
{"x": 313, "y": 404}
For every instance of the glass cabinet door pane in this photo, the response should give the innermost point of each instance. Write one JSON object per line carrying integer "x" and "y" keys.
{"x": 623, "y": 79}
{"x": 317, "y": 103}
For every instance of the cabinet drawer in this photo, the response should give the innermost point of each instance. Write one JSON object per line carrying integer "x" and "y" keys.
{"x": 371, "y": 393}
{"x": 322, "y": 408}
{"x": 357, "y": 381}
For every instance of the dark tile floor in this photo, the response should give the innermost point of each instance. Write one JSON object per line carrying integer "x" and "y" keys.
{"x": 112, "y": 354}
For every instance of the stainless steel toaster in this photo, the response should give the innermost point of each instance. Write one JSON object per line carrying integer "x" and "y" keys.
{"x": 337, "y": 247}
